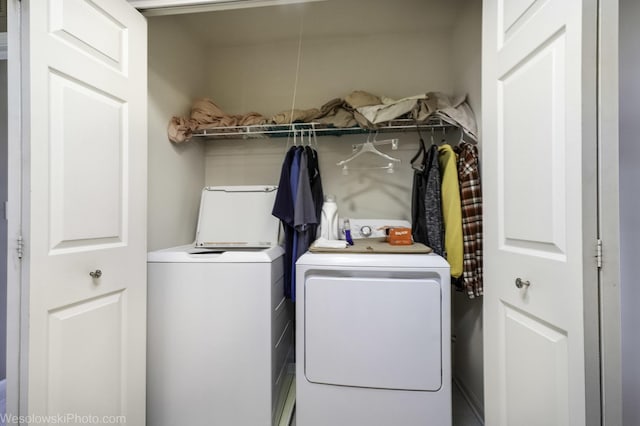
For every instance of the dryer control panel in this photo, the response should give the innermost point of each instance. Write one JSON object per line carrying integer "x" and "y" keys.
{"x": 371, "y": 228}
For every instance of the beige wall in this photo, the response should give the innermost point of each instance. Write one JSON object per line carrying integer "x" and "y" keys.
{"x": 176, "y": 172}
{"x": 261, "y": 78}
{"x": 467, "y": 314}
{"x": 3, "y": 16}
{"x": 361, "y": 193}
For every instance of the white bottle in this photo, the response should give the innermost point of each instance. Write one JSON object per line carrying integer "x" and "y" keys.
{"x": 329, "y": 219}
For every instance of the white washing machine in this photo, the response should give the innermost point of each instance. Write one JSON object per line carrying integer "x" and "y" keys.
{"x": 373, "y": 339}
{"x": 219, "y": 328}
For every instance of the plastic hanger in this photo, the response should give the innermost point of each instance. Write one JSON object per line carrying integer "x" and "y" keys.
{"x": 315, "y": 136}
{"x": 286, "y": 146}
{"x": 309, "y": 136}
{"x": 370, "y": 147}
{"x": 390, "y": 168}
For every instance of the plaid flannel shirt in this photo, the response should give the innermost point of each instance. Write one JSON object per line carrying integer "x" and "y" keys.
{"x": 471, "y": 203}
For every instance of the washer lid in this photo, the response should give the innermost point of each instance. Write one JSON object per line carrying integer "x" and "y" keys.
{"x": 237, "y": 216}
{"x": 189, "y": 254}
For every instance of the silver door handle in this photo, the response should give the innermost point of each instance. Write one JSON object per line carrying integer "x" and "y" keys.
{"x": 96, "y": 274}
{"x": 522, "y": 283}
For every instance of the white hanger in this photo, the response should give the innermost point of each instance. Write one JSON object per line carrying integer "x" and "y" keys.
{"x": 389, "y": 168}
{"x": 462, "y": 135}
{"x": 309, "y": 140}
{"x": 370, "y": 147}
{"x": 315, "y": 137}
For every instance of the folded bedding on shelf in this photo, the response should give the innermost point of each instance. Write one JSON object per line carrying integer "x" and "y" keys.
{"x": 180, "y": 129}
{"x": 205, "y": 114}
{"x": 336, "y": 113}
{"x": 452, "y": 110}
{"x": 390, "y": 109}
{"x": 360, "y": 98}
{"x": 295, "y": 116}
{"x": 359, "y": 108}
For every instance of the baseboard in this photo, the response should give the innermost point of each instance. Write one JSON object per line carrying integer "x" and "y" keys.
{"x": 473, "y": 401}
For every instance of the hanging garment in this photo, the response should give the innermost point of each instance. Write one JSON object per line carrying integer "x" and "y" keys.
{"x": 293, "y": 182}
{"x": 296, "y": 208}
{"x": 426, "y": 202}
{"x": 283, "y": 209}
{"x": 471, "y": 204}
{"x": 433, "y": 202}
{"x": 305, "y": 219}
{"x": 316, "y": 188}
{"x": 453, "y": 243}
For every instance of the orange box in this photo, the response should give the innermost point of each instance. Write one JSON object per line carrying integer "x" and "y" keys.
{"x": 400, "y": 237}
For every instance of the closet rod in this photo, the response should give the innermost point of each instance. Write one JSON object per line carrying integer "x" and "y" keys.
{"x": 283, "y": 130}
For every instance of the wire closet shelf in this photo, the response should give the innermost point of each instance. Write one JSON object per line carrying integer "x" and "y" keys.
{"x": 284, "y": 130}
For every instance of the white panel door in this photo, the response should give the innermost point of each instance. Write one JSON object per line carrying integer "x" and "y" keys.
{"x": 85, "y": 91}
{"x": 539, "y": 167}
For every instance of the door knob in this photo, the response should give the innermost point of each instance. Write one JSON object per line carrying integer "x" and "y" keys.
{"x": 96, "y": 274}
{"x": 522, "y": 283}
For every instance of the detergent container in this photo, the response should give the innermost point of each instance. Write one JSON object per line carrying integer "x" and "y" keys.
{"x": 329, "y": 219}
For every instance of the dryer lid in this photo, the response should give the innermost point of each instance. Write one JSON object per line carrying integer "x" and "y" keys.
{"x": 237, "y": 217}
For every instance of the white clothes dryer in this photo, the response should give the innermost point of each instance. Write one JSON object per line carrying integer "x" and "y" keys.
{"x": 373, "y": 339}
{"x": 220, "y": 330}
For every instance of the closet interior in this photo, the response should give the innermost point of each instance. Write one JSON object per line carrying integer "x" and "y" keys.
{"x": 275, "y": 58}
